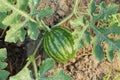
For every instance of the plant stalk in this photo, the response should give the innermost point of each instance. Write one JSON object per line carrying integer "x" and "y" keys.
{"x": 35, "y": 69}
{"x": 44, "y": 25}
{"x": 36, "y": 49}
{"x": 65, "y": 19}
{"x": 76, "y": 6}
{"x": 70, "y": 15}
{"x": 27, "y": 64}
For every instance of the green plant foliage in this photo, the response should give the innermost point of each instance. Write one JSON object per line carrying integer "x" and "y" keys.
{"x": 33, "y": 4}
{"x": 109, "y": 19}
{"x": 47, "y": 65}
{"x": 1, "y": 19}
{"x": 81, "y": 38}
{"x": 24, "y": 74}
{"x": 20, "y": 18}
{"x": 115, "y": 18}
{"x": 33, "y": 30}
{"x": 79, "y": 22}
{"x": 45, "y": 12}
{"x": 106, "y": 11}
{"x": 81, "y": 35}
{"x": 92, "y": 7}
{"x": 3, "y": 55}
{"x": 112, "y": 44}
{"x": 98, "y": 50}
{"x": 3, "y": 7}
{"x": 102, "y": 31}
{"x": 15, "y": 33}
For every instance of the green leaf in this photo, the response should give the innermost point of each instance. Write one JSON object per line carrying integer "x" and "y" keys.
{"x": 59, "y": 75}
{"x": 76, "y": 34}
{"x": 3, "y": 55}
{"x": 86, "y": 40}
{"x": 106, "y": 11}
{"x": 102, "y": 35}
{"x": 3, "y": 7}
{"x": 33, "y": 4}
{"x": 87, "y": 37}
{"x": 11, "y": 19}
{"x": 115, "y": 18}
{"x": 22, "y": 4}
{"x": 98, "y": 50}
{"x": 111, "y": 9}
{"x": 16, "y": 33}
{"x": 98, "y": 53}
{"x": 80, "y": 36}
{"x": 110, "y": 55}
{"x": 18, "y": 19}
{"x": 15, "y": 16}
{"x": 102, "y": 31}
{"x": 101, "y": 12}
{"x": 24, "y": 74}
{"x": 3, "y": 65}
{"x": 45, "y": 12}
{"x": 12, "y": 1}
{"x": 33, "y": 30}
{"x": 113, "y": 29}
{"x": 46, "y": 66}
{"x": 77, "y": 23}
{"x": 2, "y": 16}
{"x": 92, "y": 7}
{"x": 109, "y": 20}
{"x": 3, "y": 74}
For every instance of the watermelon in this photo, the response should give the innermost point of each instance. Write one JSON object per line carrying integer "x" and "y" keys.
{"x": 58, "y": 44}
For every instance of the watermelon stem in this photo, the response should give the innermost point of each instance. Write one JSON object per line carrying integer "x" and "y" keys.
{"x": 45, "y": 26}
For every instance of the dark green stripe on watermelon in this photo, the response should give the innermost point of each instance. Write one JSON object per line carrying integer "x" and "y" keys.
{"x": 64, "y": 40}
{"x": 49, "y": 48}
{"x": 58, "y": 44}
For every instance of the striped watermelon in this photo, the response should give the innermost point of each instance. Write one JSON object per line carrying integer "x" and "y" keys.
{"x": 58, "y": 43}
